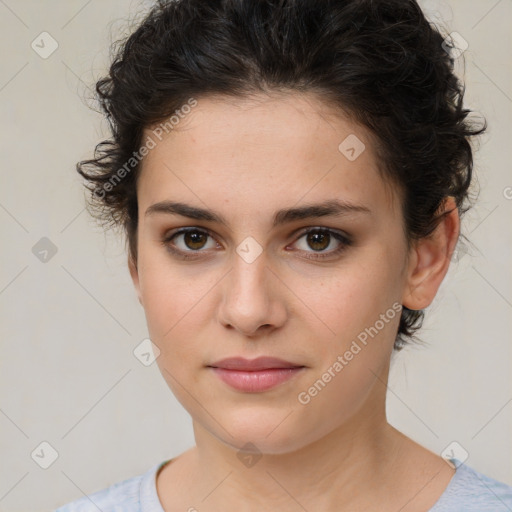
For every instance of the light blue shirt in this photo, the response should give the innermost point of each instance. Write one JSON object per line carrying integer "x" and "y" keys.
{"x": 468, "y": 491}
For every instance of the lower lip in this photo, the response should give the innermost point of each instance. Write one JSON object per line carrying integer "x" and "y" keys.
{"x": 256, "y": 381}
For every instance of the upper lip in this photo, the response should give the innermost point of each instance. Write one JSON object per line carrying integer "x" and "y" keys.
{"x": 260, "y": 363}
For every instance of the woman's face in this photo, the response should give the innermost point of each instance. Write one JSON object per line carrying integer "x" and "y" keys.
{"x": 257, "y": 284}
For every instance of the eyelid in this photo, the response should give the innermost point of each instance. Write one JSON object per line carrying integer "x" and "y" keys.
{"x": 303, "y": 231}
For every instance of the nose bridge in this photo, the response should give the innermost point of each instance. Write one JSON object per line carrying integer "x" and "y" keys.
{"x": 249, "y": 299}
{"x": 249, "y": 266}
{"x": 249, "y": 279}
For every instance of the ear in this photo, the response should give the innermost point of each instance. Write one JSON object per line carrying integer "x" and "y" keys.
{"x": 430, "y": 258}
{"x": 134, "y": 273}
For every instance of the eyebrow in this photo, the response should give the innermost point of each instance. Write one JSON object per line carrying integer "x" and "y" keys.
{"x": 331, "y": 207}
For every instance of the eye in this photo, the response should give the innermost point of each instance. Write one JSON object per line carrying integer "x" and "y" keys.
{"x": 320, "y": 239}
{"x": 189, "y": 240}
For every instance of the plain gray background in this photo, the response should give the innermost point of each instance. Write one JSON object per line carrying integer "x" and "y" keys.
{"x": 69, "y": 325}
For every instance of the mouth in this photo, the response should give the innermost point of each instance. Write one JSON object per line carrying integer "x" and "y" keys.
{"x": 258, "y": 364}
{"x": 257, "y": 375}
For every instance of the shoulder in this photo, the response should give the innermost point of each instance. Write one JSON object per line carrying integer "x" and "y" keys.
{"x": 124, "y": 496}
{"x": 121, "y": 496}
{"x": 472, "y": 491}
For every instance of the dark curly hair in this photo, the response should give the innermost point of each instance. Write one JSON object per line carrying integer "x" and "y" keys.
{"x": 378, "y": 61}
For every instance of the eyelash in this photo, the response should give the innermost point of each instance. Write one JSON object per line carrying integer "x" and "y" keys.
{"x": 345, "y": 242}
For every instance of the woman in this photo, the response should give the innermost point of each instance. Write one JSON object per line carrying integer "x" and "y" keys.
{"x": 290, "y": 176}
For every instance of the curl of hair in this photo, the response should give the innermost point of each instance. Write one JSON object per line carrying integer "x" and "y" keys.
{"x": 379, "y": 61}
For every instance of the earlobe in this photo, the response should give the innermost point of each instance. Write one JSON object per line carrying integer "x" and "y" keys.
{"x": 430, "y": 259}
{"x": 134, "y": 273}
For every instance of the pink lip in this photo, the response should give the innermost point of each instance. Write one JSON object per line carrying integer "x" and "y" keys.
{"x": 256, "y": 381}
{"x": 254, "y": 375}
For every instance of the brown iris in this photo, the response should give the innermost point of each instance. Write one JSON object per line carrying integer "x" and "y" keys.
{"x": 318, "y": 240}
{"x": 195, "y": 239}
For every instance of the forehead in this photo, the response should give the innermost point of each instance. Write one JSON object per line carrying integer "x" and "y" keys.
{"x": 263, "y": 150}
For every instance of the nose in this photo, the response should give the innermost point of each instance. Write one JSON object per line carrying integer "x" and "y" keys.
{"x": 253, "y": 298}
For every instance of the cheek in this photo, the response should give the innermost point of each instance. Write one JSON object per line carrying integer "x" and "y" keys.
{"x": 352, "y": 298}
{"x": 359, "y": 305}
{"x": 168, "y": 294}
{"x": 349, "y": 361}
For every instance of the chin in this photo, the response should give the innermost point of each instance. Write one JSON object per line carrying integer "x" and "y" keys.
{"x": 260, "y": 434}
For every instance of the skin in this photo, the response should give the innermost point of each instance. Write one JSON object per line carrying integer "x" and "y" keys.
{"x": 245, "y": 159}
